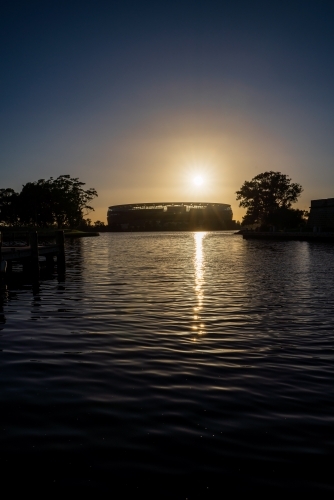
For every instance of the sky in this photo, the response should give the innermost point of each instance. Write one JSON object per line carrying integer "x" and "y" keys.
{"x": 137, "y": 99}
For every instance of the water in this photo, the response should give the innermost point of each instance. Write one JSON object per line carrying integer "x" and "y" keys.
{"x": 174, "y": 363}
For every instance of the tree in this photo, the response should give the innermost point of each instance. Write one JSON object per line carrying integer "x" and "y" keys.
{"x": 85, "y": 224}
{"x": 62, "y": 201}
{"x": 99, "y": 224}
{"x": 71, "y": 201}
{"x": 8, "y": 206}
{"x": 287, "y": 218}
{"x": 36, "y": 204}
{"x": 269, "y": 196}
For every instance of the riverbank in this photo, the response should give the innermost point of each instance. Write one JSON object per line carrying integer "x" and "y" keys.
{"x": 80, "y": 234}
{"x": 18, "y": 234}
{"x": 287, "y": 236}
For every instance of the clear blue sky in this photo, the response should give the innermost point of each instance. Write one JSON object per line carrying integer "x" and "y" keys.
{"x": 137, "y": 98}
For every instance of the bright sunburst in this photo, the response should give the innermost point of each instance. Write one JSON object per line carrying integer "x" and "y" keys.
{"x": 198, "y": 180}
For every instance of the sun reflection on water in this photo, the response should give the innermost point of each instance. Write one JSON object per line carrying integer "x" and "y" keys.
{"x": 198, "y": 324}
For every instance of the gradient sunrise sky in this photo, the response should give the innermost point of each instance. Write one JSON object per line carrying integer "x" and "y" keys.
{"x": 137, "y": 98}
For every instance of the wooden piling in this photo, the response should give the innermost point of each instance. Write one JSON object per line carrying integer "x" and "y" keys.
{"x": 2, "y": 268}
{"x": 49, "y": 262}
{"x": 3, "y": 263}
{"x": 34, "y": 253}
{"x": 26, "y": 266}
{"x": 60, "y": 240}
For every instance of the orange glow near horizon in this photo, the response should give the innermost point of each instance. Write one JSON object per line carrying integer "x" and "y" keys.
{"x": 203, "y": 160}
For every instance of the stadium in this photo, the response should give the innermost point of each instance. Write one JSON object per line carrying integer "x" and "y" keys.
{"x": 182, "y": 216}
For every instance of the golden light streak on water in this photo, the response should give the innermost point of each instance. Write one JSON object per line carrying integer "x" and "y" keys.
{"x": 199, "y": 265}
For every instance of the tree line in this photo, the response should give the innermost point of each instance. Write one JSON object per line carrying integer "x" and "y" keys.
{"x": 61, "y": 202}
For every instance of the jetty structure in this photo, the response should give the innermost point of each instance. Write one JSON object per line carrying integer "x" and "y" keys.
{"x": 159, "y": 216}
{"x": 28, "y": 254}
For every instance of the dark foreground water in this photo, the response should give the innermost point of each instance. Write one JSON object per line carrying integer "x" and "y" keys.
{"x": 180, "y": 364}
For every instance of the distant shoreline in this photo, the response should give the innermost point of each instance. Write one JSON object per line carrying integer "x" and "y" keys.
{"x": 80, "y": 234}
{"x": 46, "y": 233}
{"x": 165, "y": 230}
{"x": 287, "y": 236}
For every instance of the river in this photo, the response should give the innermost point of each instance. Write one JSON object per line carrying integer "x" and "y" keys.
{"x": 182, "y": 362}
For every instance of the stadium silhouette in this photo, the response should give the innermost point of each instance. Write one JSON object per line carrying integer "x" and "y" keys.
{"x": 163, "y": 216}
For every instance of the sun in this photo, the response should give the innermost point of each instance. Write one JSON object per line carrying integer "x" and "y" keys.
{"x": 198, "y": 180}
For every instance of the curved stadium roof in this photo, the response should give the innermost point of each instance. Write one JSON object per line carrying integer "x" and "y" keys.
{"x": 190, "y": 204}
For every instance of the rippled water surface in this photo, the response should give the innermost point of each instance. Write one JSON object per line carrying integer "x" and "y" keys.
{"x": 200, "y": 359}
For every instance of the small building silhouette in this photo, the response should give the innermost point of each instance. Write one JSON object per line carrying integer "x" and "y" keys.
{"x": 322, "y": 214}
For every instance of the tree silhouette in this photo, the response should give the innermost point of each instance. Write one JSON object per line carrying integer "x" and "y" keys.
{"x": 62, "y": 201}
{"x": 268, "y": 197}
{"x": 8, "y": 206}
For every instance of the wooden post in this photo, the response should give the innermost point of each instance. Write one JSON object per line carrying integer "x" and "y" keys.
{"x": 2, "y": 265}
{"x": 26, "y": 266}
{"x": 49, "y": 262}
{"x": 60, "y": 240}
{"x": 34, "y": 253}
